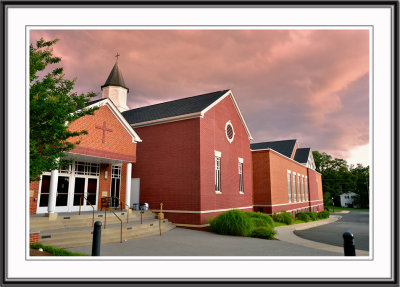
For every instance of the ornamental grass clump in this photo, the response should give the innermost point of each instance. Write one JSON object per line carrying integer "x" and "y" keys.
{"x": 263, "y": 232}
{"x": 261, "y": 219}
{"x": 236, "y": 222}
{"x": 283, "y": 217}
{"x": 232, "y": 222}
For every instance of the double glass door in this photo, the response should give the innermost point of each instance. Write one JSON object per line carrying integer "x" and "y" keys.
{"x": 75, "y": 184}
{"x": 85, "y": 193}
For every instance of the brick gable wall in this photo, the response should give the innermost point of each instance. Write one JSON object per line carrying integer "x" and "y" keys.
{"x": 117, "y": 143}
{"x": 213, "y": 138}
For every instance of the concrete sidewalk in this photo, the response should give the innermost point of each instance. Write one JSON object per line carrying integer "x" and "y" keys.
{"x": 186, "y": 242}
{"x": 285, "y": 233}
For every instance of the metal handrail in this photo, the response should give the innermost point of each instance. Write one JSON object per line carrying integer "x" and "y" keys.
{"x": 119, "y": 220}
{"x": 80, "y": 204}
{"x": 127, "y": 213}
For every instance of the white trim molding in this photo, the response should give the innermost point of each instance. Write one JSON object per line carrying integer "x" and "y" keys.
{"x": 202, "y": 211}
{"x": 228, "y": 123}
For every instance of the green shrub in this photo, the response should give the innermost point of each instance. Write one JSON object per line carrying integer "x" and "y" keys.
{"x": 284, "y": 217}
{"x": 232, "y": 222}
{"x": 303, "y": 216}
{"x": 313, "y": 215}
{"x": 323, "y": 214}
{"x": 261, "y": 219}
{"x": 263, "y": 232}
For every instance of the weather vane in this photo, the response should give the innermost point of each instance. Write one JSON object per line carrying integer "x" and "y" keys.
{"x": 116, "y": 56}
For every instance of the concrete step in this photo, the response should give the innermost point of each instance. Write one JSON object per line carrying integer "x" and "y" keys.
{"x": 113, "y": 238}
{"x": 74, "y": 220}
{"x": 83, "y": 236}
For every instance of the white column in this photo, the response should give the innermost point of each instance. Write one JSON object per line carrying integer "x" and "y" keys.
{"x": 53, "y": 191}
{"x": 128, "y": 183}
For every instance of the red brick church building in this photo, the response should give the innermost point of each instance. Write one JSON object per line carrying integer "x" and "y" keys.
{"x": 191, "y": 154}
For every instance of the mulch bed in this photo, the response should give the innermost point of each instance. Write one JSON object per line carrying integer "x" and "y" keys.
{"x": 36, "y": 252}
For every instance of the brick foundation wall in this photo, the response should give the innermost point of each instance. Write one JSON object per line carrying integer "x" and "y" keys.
{"x": 34, "y": 238}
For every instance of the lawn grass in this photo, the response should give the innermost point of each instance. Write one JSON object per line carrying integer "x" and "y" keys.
{"x": 337, "y": 208}
{"x": 56, "y": 251}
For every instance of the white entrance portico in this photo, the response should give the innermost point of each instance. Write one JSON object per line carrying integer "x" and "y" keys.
{"x": 75, "y": 185}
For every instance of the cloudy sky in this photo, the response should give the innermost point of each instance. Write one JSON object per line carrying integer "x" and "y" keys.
{"x": 309, "y": 85}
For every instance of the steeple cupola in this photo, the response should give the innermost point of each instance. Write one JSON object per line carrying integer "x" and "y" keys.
{"x": 115, "y": 89}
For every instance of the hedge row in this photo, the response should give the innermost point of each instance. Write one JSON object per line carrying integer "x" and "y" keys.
{"x": 312, "y": 216}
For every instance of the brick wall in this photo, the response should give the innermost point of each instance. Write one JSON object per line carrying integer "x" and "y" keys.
{"x": 261, "y": 178}
{"x": 271, "y": 184}
{"x": 104, "y": 184}
{"x": 213, "y": 138}
{"x": 168, "y": 165}
{"x": 315, "y": 187}
{"x": 33, "y": 195}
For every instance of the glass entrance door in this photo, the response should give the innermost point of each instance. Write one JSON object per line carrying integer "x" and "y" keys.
{"x": 115, "y": 184}
{"x": 91, "y": 192}
{"x": 79, "y": 191}
{"x": 62, "y": 193}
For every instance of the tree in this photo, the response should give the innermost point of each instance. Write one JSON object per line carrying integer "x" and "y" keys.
{"x": 338, "y": 178}
{"x": 361, "y": 174}
{"x": 53, "y": 106}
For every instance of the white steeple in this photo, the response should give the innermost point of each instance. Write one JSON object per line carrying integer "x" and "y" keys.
{"x": 115, "y": 88}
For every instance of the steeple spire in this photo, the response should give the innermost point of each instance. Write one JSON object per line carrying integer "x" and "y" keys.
{"x": 115, "y": 89}
{"x": 115, "y": 78}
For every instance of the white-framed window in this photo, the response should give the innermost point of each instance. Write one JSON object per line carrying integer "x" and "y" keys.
{"x": 289, "y": 186}
{"x": 87, "y": 168}
{"x": 294, "y": 187}
{"x": 302, "y": 187}
{"x": 298, "y": 186}
{"x": 240, "y": 166}
{"x": 217, "y": 158}
{"x": 306, "y": 183}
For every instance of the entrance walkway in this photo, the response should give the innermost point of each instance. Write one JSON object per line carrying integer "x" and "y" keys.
{"x": 185, "y": 242}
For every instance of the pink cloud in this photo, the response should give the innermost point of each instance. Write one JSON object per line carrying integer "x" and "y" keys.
{"x": 305, "y": 84}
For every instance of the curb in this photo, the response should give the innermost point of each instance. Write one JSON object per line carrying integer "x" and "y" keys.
{"x": 286, "y": 234}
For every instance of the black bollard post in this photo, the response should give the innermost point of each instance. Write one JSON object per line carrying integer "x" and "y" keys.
{"x": 96, "y": 239}
{"x": 348, "y": 244}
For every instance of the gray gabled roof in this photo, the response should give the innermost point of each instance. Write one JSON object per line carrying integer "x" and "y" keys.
{"x": 302, "y": 154}
{"x": 174, "y": 108}
{"x": 284, "y": 147}
{"x": 115, "y": 78}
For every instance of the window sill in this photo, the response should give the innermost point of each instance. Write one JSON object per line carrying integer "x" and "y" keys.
{"x": 218, "y": 192}
{"x": 241, "y": 192}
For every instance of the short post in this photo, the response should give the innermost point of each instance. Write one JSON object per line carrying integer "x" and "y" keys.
{"x": 348, "y": 244}
{"x": 333, "y": 204}
{"x": 141, "y": 215}
{"x": 160, "y": 217}
{"x": 96, "y": 239}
